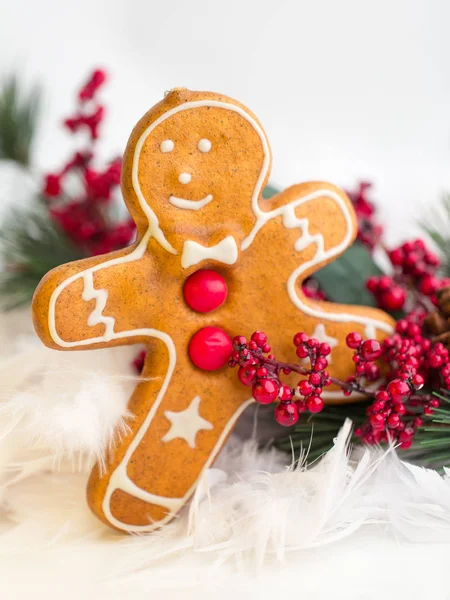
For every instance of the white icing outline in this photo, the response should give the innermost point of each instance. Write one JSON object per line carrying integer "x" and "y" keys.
{"x": 119, "y": 478}
{"x": 226, "y": 252}
{"x": 190, "y": 204}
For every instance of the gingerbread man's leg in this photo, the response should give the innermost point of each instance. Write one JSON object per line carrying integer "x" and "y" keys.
{"x": 181, "y": 422}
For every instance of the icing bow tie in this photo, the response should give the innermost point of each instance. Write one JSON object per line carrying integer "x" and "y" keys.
{"x": 226, "y": 252}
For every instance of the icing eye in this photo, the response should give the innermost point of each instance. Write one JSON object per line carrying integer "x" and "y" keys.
{"x": 204, "y": 145}
{"x": 167, "y": 146}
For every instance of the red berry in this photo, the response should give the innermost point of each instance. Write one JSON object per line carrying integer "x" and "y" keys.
{"x": 301, "y": 405}
{"x": 315, "y": 404}
{"x": 262, "y": 372}
{"x": 210, "y": 348}
{"x": 353, "y": 340}
{"x": 377, "y": 406}
{"x": 266, "y": 348}
{"x": 398, "y": 390}
{"x": 324, "y": 349}
{"x": 393, "y": 421}
{"x": 372, "y": 284}
{"x": 396, "y": 256}
{"x": 265, "y": 391}
{"x": 285, "y": 393}
{"x": 408, "y": 247}
{"x": 393, "y": 299}
{"x": 382, "y": 396}
{"x": 401, "y": 326}
{"x": 238, "y": 341}
{"x": 377, "y": 422}
{"x": 313, "y": 343}
{"x": 400, "y": 409}
{"x": 247, "y": 375}
{"x": 52, "y": 186}
{"x": 413, "y": 330}
{"x": 260, "y": 338}
{"x": 384, "y": 283}
{"x": 300, "y": 338}
{"x": 428, "y": 285}
{"x": 371, "y": 371}
{"x": 315, "y": 379}
{"x": 321, "y": 364}
{"x": 302, "y": 352}
{"x": 432, "y": 259}
{"x": 286, "y": 414}
{"x": 419, "y": 244}
{"x": 435, "y": 360}
{"x": 417, "y": 381}
{"x": 371, "y": 350}
{"x": 305, "y": 387}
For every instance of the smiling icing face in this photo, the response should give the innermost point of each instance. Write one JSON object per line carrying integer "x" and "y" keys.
{"x": 196, "y": 167}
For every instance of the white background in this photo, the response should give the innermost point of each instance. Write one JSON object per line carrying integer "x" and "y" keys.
{"x": 345, "y": 89}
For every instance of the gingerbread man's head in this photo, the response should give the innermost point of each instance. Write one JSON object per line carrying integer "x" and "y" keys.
{"x": 194, "y": 169}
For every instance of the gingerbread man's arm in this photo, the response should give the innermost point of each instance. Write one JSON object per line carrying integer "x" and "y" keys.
{"x": 82, "y": 289}
{"x": 297, "y": 222}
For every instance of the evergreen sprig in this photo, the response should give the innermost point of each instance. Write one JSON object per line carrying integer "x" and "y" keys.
{"x": 431, "y": 447}
{"x": 30, "y": 245}
{"x": 18, "y": 118}
{"x": 437, "y": 227}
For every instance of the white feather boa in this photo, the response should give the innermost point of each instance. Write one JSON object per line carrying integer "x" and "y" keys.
{"x": 253, "y": 512}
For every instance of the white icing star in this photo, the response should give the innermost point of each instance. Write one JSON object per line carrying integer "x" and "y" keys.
{"x": 186, "y": 423}
{"x": 321, "y": 335}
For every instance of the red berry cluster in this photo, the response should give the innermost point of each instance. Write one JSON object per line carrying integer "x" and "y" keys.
{"x": 415, "y": 270}
{"x": 369, "y": 231}
{"x": 389, "y": 295}
{"x": 367, "y": 352}
{"x": 413, "y": 361}
{"x": 259, "y": 369}
{"x": 88, "y": 116}
{"x": 85, "y": 216}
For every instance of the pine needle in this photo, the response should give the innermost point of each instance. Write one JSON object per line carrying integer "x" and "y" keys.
{"x": 437, "y": 227}
{"x": 18, "y": 117}
{"x": 30, "y": 245}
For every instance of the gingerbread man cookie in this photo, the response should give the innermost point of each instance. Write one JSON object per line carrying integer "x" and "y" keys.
{"x": 212, "y": 259}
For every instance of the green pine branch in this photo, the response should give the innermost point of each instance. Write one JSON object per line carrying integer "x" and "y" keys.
{"x": 18, "y": 118}
{"x": 431, "y": 447}
{"x": 437, "y": 227}
{"x": 30, "y": 245}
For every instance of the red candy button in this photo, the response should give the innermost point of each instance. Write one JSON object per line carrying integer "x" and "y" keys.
{"x": 210, "y": 348}
{"x": 205, "y": 290}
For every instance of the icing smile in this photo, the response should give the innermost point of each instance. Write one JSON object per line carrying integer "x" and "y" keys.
{"x": 190, "y": 204}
